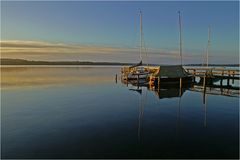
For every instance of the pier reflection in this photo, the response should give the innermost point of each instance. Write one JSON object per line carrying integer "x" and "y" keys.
{"x": 205, "y": 86}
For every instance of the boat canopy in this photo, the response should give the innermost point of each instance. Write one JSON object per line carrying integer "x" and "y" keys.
{"x": 176, "y": 71}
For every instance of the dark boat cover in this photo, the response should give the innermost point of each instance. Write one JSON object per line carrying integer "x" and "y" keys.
{"x": 175, "y": 71}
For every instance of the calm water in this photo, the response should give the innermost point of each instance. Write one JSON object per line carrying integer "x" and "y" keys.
{"x": 81, "y": 112}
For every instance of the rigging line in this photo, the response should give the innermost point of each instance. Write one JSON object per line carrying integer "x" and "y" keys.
{"x": 141, "y": 30}
{"x": 135, "y": 31}
{"x": 204, "y": 58}
{"x": 208, "y": 46}
{"x": 206, "y": 55}
{"x": 180, "y": 34}
{"x": 145, "y": 49}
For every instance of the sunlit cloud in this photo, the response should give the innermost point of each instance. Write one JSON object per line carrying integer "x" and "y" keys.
{"x": 36, "y": 47}
{"x": 38, "y": 50}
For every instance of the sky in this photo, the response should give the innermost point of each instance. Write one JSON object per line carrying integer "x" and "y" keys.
{"x": 109, "y": 31}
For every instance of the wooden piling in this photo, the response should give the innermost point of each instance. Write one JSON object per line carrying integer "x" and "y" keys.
{"x": 180, "y": 87}
{"x": 221, "y": 82}
{"x": 233, "y": 77}
{"x": 158, "y": 83}
{"x": 204, "y": 81}
{"x": 116, "y": 78}
{"x": 138, "y": 79}
{"x": 229, "y": 76}
{"x": 180, "y": 82}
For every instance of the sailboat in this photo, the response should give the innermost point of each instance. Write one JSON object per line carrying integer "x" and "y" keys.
{"x": 172, "y": 74}
{"x": 137, "y": 71}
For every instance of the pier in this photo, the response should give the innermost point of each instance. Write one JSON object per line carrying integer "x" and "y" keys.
{"x": 158, "y": 74}
{"x": 210, "y": 75}
{"x": 221, "y": 73}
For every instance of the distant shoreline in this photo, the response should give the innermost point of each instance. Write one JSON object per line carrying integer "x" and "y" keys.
{"x": 7, "y": 61}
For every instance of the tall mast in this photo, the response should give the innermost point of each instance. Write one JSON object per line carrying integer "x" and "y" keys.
{"x": 208, "y": 46}
{"x": 180, "y": 34}
{"x": 140, "y": 12}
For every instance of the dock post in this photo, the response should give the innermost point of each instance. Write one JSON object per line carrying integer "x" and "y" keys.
{"x": 138, "y": 80}
{"x": 116, "y": 78}
{"x": 150, "y": 81}
{"x": 180, "y": 87}
{"x": 158, "y": 84}
{"x": 180, "y": 82}
{"x": 158, "y": 81}
{"x": 233, "y": 74}
{"x": 229, "y": 76}
{"x": 204, "y": 82}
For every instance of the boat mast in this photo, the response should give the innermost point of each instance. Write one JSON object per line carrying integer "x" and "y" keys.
{"x": 140, "y": 12}
{"x": 180, "y": 35}
{"x": 208, "y": 46}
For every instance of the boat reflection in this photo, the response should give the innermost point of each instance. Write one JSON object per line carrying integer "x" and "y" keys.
{"x": 164, "y": 91}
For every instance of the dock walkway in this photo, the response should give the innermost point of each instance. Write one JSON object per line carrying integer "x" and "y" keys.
{"x": 220, "y": 73}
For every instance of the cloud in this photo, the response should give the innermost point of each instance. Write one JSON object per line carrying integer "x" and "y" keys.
{"x": 37, "y": 47}
{"x": 38, "y": 50}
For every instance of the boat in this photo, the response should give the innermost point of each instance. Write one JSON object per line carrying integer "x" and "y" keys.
{"x": 153, "y": 75}
{"x": 171, "y": 74}
{"x": 137, "y": 71}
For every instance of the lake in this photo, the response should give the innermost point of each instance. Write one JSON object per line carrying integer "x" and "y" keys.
{"x": 83, "y": 112}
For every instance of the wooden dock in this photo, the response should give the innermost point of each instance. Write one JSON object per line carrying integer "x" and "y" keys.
{"x": 207, "y": 75}
{"x": 220, "y": 73}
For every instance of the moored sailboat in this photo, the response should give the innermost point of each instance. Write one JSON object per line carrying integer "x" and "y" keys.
{"x": 137, "y": 71}
{"x": 172, "y": 74}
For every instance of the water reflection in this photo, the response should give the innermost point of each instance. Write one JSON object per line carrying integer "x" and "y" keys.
{"x": 18, "y": 77}
{"x": 171, "y": 91}
{"x": 167, "y": 91}
{"x": 84, "y": 113}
